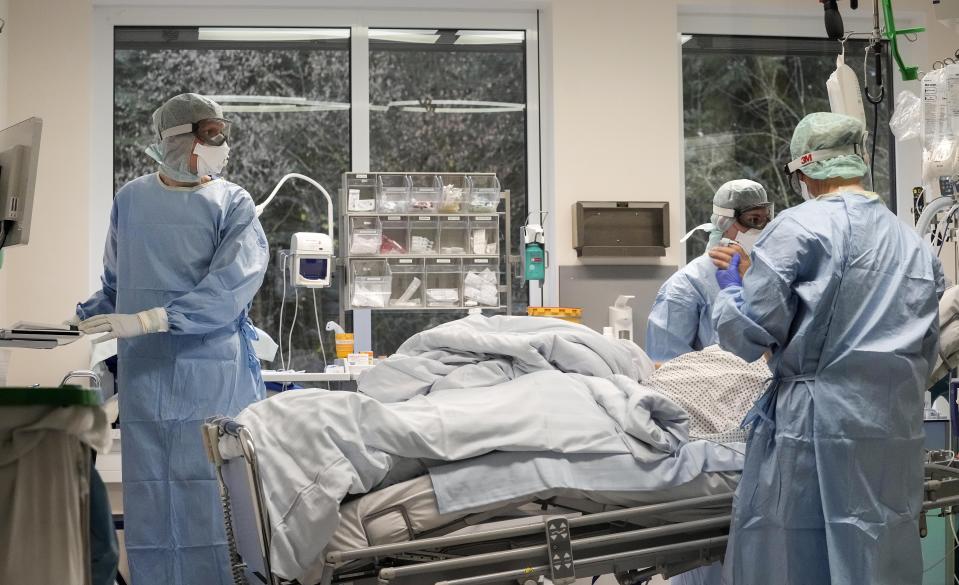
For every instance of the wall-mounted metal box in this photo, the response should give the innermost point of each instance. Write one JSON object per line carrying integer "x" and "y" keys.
{"x": 621, "y": 228}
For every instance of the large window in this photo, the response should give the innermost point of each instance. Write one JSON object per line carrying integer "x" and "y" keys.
{"x": 288, "y": 94}
{"x": 440, "y": 100}
{"x": 742, "y": 98}
{"x": 448, "y": 101}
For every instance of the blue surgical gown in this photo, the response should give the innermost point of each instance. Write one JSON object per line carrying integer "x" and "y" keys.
{"x": 844, "y": 295}
{"x": 680, "y": 321}
{"x": 201, "y": 254}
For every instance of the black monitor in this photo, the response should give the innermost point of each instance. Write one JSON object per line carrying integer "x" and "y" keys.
{"x": 19, "y": 153}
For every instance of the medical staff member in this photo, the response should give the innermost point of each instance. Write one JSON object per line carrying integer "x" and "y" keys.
{"x": 844, "y": 296}
{"x": 681, "y": 318}
{"x": 184, "y": 257}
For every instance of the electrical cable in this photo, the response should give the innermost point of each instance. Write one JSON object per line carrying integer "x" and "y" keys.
{"x": 875, "y": 139}
{"x": 319, "y": 331}
{"x": 282, "y": 306}
{"x": 943, "y": 236}
{"x": 289, "y": 343}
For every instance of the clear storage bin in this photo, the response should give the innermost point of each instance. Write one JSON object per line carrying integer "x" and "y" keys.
{"x": 396, "y": 235}
{"x": 424, "y": 235}
{"x": 425, "y": 193}
{"x": 392, "y": 193}
{"x": 456, "y": 190}
{"x": 371, "y": 284}
{"x": 453, "y": 235}
{"x": 360, "y": 193}
{"x": 366, "y": 236}
{"x": 409, "y": 282}
{"x": 481, "y": 283}
{"x": 484, "y": 194}
{"x": 444, "y": 282}
{"x": 484, "y": 235}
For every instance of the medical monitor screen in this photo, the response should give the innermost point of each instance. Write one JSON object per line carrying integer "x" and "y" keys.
{"x": 19, "y": 154}
{"x": 314, "y": 268}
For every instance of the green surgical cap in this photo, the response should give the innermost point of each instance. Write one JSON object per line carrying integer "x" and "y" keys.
{"x": 186, "y": 108}
{"x": 824, "y": 131}
{"x": 740, "y": 194}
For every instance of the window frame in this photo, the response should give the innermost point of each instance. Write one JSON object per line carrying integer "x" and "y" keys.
{"x": 359, "y": 21}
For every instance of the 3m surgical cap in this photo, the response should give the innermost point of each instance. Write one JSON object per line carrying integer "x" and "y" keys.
{"x": 825, "y": 131}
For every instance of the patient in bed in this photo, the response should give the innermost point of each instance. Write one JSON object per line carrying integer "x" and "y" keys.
{"x": 513, "y": 407}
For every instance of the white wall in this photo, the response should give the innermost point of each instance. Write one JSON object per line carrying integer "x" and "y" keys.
{"x": 616, "y": 122}
{"x": 613, "y": 70}
{"x": 48, "y": 76}
{"x": 4, "y": 120}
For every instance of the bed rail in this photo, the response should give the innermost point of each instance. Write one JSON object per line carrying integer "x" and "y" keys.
{"x": 603, "y": 543}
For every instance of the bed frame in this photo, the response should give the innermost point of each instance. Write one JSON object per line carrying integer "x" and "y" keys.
{"x": 631, "y": 543}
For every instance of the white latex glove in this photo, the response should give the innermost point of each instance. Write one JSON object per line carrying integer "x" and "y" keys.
{"x": 118, "y": 325}
{"x": 72, "y": 321}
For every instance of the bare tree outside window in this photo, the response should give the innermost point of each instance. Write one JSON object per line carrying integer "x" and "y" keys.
{"x": 742, "y": 98}
{"x": 439, "y": 104}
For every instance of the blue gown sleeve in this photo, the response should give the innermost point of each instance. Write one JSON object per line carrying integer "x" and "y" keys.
{"x": 236, "y": 273}
{"x": 756, "y": 317}
{"x": 104, "y": 301}
{"x": 673, "y": 324}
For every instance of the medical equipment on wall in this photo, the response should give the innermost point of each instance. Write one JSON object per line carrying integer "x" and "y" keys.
{"x": 312, "y": 259}
{"x": 19, "y": 156}
{"x": 311, "y": 254}
{"x": 533, "y": 237}
{"x": 621, "y": 318}
{"x": 835, "y": 31}
{"x": 616, "y": 229}
{"x": 309, "y": 262}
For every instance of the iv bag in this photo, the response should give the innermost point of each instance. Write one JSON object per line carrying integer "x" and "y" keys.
{"x": 845, "y": 96}
{"x": 940, "y": 125}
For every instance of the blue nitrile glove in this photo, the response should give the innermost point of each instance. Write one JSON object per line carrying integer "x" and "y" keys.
{"x": 730, "y": 276}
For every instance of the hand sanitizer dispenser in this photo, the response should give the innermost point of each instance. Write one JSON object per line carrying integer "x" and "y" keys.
{"x": 621, "y": 318}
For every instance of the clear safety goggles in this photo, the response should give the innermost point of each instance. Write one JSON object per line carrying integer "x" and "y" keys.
{"x": 210, "y": 131}
{"x": 792, "y": 168}
{"x": 755, "y": 217}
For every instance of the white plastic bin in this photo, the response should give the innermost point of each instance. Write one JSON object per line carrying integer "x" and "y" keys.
{"x": 444, "y": 282}
{"x": 454, "y": 235}
{"x": 425, "y": 193}
{"x": 409, "y": 282}
{"x": 481, "y": 283}
{"x": 424, "y": 235}
{"x": 484, "y": 194}
{"x": 484, "y": 235}
{"x": 366, "y": 236}
{"x": 371, "y": 284}
{"x": 392, "y": 193}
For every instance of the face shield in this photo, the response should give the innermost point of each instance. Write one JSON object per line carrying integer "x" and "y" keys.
{"x": 210, "y": 131}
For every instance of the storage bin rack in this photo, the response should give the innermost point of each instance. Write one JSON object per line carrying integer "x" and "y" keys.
{"x": 432, "y": 241}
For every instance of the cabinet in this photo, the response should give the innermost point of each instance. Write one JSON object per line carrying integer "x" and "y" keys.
{"x": 425, "y": 241}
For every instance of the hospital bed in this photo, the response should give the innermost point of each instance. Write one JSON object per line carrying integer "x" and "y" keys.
{"x": 395, "y": 536}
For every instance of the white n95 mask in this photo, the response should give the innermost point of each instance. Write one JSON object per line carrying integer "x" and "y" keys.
{"x": 804, "y": 190}
{"x": 210, "y": 160}
{"x": 748, "y": 239}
